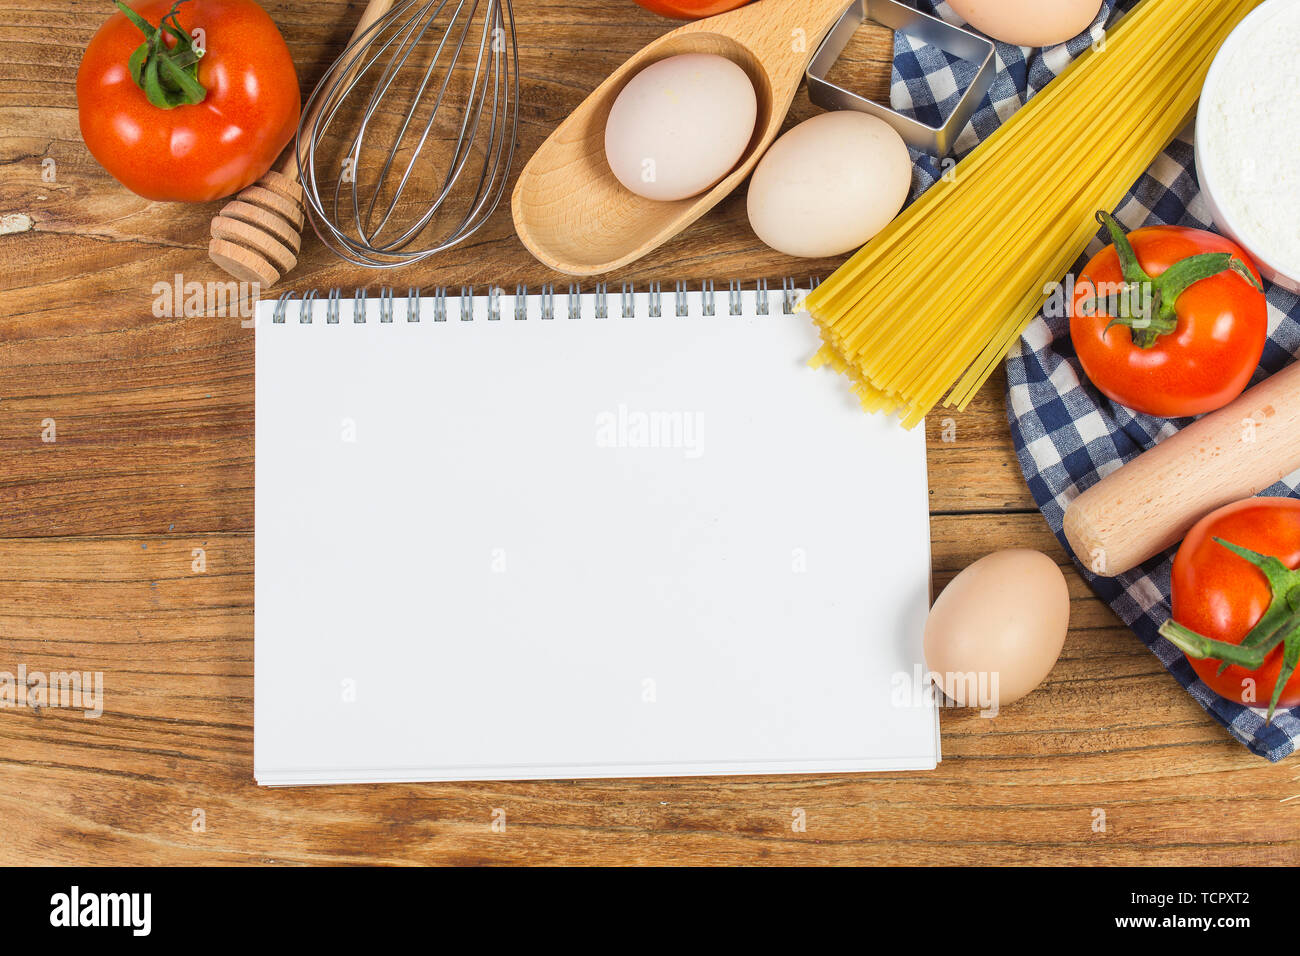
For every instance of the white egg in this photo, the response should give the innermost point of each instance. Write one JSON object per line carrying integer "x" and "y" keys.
{"x": 1033, "y": 23}
{"x": 680, "y": 125}
{"x": 829, "y": 184}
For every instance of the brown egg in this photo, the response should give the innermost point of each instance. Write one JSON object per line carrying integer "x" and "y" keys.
{"x": 997, "y": 629}
{"x": 1028, "y": 22}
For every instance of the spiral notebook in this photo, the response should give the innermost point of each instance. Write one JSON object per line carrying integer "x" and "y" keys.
{"x": 602, "y": 534}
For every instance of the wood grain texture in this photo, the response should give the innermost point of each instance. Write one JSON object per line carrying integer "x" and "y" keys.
{"x": 154, "y": 458}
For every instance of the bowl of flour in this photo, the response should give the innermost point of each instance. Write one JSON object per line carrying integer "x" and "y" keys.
{"x": 1248, "y": 140}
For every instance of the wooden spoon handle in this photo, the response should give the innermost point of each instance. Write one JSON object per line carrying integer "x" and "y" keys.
{"x": 783, "y": 34}
{"x": 374, "y": 10}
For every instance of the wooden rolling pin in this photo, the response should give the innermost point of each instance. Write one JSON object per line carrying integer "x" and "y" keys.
{"x": 1150, "y": 503}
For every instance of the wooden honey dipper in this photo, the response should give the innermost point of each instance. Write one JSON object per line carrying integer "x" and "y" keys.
{"x": 257, "y": 235}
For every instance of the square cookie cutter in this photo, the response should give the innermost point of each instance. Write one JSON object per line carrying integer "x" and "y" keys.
{"x": 936, "y": 140}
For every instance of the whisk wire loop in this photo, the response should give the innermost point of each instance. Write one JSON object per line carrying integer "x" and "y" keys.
{"x": 407, "y": 182}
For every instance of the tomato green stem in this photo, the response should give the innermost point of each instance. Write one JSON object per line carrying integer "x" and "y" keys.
{"x": 168, "y": 75}
{"x": 1279, "y": 625}
{"x": 1148, "y": 305}
{"x": 1201, "y": 647}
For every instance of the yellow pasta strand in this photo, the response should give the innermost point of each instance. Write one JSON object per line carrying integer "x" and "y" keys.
{"x": 924, "y": 313}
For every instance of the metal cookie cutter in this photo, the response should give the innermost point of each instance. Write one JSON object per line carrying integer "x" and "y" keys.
{"x": 935, "y": 32}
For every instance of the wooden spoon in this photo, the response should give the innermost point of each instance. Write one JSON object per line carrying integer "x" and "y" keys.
{"x": 258, "y": 234}
{"x": 576, "y": 217}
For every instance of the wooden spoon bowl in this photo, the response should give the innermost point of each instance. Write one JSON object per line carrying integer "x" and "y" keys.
{"x": 574, "y": 215}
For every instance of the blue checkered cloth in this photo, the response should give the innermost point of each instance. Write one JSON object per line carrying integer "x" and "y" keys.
{"x": 1067, "y": 434}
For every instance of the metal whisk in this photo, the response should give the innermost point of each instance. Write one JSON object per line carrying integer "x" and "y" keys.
{"x": 410, "y": 149}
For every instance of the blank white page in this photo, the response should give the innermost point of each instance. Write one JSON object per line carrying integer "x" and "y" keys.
{"x": 589, "y": 547}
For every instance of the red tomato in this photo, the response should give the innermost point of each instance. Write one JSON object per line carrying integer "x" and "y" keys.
{"x": 1221, "y": 595}
{"x": 196, "y": 151}
{"x": 1215, "y": 328}
{"x": 691, "y": 9}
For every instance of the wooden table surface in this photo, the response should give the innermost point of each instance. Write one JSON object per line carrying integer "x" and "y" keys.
{"x": 153, "y": 458}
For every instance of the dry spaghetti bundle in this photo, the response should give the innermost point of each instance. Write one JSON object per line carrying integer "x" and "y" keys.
{"x": 930, "y": 306}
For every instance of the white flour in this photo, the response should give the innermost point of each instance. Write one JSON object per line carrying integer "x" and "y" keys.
{"x": 1250, "y": 135}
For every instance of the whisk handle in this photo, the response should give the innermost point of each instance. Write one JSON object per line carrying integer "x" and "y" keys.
{"x": 374, "y": 10}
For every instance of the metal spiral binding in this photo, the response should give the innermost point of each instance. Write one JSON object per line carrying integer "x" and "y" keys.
{"x": 791, "y": 297}
{"x": 305, "y": 307}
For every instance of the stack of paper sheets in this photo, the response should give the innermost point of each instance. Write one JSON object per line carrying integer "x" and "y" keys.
{"x": 590, "y": 547}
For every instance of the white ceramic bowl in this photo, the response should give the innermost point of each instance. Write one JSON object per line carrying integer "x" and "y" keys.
{"x": 1221, "y": 77}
